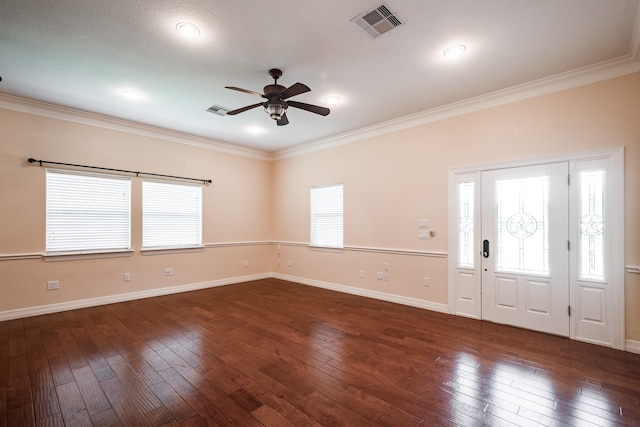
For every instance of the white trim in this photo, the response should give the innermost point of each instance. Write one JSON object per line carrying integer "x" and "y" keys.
{"x": 75, "y": 256}
{"x": 603, "y": 153}
{"x": 229, "y": 244}
{"x": 13, "y": 257}
{"x": 58, "y": 112}
{"x": 390, "y": 251}
{"x": 632, "y": 346}
{"x": 409, "y": 252}
{"x": 398, "y": 299}
{"x": 143, "y": 251}
{"x": 616, "y": 160}
{"x": 165, "y": 251}
{"x": 632, "y": 269}
{"x": 92, "y": 302}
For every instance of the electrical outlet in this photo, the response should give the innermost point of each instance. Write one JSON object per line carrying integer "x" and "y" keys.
{"x": 53, "y": 284}
{"x": 289, "y": 263}
{"x": 385, "y": 276}
{"x": 168, "y": 272}
{"x": 245, "y": 263}
{"x": 127, "y": 277}
{"x": 426, "y": 281}
{"x": 386, "y": 266}
{"x": 362, "y": 274}
{"x": 379, "y": 275}
{"x": 423, "y": 223}
{"x": 424, "y": 235}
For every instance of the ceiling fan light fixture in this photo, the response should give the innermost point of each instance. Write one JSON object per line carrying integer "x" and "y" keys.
{"x": 275, "y": 110}
{"x": 188, "y": 30}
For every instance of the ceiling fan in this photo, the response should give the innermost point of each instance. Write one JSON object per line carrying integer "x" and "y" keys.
{"x": 276, "y": 96}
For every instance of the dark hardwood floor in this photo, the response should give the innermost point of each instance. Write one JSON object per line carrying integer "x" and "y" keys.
{"x": 275, "y": 353}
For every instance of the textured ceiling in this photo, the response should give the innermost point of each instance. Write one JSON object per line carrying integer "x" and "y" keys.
{"x": 82, "y": 54}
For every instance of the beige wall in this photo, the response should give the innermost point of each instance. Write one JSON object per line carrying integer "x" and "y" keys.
{"x": 393, "y": 180}
{"x": 236, "y": 208}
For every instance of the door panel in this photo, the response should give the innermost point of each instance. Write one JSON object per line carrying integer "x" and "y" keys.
{"x": 525, "y": 278}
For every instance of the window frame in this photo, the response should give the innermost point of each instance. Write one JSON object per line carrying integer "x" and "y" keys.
{"x": 171, "y": 244}
{"x": 328, "y": 242}
{"x": 89, "y": 202}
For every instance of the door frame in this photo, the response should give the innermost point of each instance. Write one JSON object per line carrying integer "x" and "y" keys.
{"x": 464, "y": 284}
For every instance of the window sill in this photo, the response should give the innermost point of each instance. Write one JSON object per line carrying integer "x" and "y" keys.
{"x": 167, "y": 250}
{"x": 74, "y": 256}
{"x": 326, "y": 249}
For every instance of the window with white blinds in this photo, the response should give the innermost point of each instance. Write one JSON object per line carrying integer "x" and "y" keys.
{"x": 171, "y": 214}
{"x": 87, "y": 212}
{"x": 327, "y": 216}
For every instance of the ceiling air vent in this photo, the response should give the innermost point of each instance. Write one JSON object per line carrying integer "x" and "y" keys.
{"x": 216, "y": 109}
{"x": 378, "y": 20}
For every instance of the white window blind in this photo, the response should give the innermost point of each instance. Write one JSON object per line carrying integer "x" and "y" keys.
{"x": 87, "y": 212}
{"x": 327, "y": 216}
{"x": 171, "y": 214}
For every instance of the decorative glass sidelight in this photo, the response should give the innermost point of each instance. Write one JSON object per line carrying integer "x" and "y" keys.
{"x": 522, "y": 225}
{"x": 465, "y": 224}
{"x": 592, "y": 230}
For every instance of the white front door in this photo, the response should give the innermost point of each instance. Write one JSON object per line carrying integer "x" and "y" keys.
{"x": 525, "y": 254}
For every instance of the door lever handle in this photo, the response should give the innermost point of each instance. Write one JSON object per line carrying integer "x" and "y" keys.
{"x": 485, "y": 248}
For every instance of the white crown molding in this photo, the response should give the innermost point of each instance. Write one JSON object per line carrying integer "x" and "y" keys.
{"x": 607, "y": 70}
{"x": 58, "y": 112}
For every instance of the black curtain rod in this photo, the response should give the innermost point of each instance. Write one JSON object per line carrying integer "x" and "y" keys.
{"x": 204, "y": 181}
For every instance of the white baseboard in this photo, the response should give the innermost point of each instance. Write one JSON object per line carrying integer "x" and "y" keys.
{"x": 632, "y": 346}
{"x": 91, "y": 302}
{"x": 413, "y": 302}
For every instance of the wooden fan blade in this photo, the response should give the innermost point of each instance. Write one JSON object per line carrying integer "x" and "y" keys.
{"x": 308, "y": 107}
{"x": 243, "y": 109}
{"x": 283, "y": 120}
{"x": 239, "y": 89}
{"x": 293, "y": 90}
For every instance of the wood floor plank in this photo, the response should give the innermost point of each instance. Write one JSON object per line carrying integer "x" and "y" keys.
{"x": 19, "y": 403}
{"x": 176, "y": 405}
{"x": 43, "y": 390}
{"x": 92, "y": 394}
{"x": 275, "y": 353}
{"x": 270, "y": 418}
{"x": 73, "y": 409}
{"x": 124, "y": 407}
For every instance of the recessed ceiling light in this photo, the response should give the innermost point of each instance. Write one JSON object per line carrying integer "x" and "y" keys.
{"x": 130, "y": 94}
{"x": 188, "y": 30}
{"x": 332, "y": 99}
{"x": 255, "y": 130}
{"x": 455, "y": 51}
